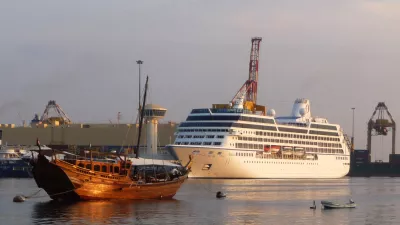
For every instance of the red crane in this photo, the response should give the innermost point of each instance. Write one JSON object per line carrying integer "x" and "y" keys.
{"x": 253, "y": 69}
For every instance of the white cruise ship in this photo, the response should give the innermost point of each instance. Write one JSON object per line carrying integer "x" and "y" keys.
{"x": 237, "y": 140}
{"x": 234, "y": 142}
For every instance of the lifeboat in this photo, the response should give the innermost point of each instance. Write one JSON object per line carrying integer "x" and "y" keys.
{"x": 271, "y": 149}
{"x": 298, "y": 151}
{"x": 310, "y": 157}
{"x": 287, "y": 150}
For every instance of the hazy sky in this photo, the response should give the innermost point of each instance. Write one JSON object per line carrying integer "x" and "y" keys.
{"x": 339, "y": 54}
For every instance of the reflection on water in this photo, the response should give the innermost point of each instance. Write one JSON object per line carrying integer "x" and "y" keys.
{"x": 247, "y": 202}
{"x": 97, "y": 212}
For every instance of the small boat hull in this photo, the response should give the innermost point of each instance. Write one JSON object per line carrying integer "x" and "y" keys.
{"x": 53, "y": 180}
{"x": 333, "y": 205}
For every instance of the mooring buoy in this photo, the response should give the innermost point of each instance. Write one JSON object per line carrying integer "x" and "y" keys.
{"x": 19, "y": 198}
{"x": 220, "y": 194}
{"x": 313, "y": 206}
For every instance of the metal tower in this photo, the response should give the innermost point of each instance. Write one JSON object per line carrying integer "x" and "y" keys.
{"x": 253, "y": 69}
{"x": 248, "y": 91}
{"x": 380, "y": 126}
{"x": 139, "y": 62}
{"x": 59, "y": 114}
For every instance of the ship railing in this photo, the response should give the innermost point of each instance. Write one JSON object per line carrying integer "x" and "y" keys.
{"x": 347, "y": 141}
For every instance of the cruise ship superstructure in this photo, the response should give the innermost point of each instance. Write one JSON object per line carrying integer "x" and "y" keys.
{"x": 235, "y": 143}
{"x": 242, "y": 140}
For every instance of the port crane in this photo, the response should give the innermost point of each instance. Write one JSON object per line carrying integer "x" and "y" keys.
{"x": 48, "y": 118}
{"x": 381, "y": 126}
{"x": 248, "y": 91}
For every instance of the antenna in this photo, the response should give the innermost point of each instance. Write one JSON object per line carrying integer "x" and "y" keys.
{"x": 118, "y": 117}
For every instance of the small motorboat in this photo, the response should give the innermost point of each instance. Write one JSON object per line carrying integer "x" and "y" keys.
{"x": 335, "y": 205}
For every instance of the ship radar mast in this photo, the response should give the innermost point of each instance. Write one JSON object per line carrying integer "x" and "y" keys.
{"x": 141, "y": 120}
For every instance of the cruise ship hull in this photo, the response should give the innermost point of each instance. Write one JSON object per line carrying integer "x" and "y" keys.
{"x": 224, "y": 163}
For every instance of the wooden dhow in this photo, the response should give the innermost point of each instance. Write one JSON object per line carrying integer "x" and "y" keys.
{"x": 83, "y": 179}
{"x": 65, "y": 176}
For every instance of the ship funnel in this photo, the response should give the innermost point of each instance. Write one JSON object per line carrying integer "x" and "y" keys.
{"x": 301, "y": 108}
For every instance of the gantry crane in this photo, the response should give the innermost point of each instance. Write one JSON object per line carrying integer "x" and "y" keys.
{"x": 380, "y": 126}
{"x": 248, "y": 91}
{"x": 59, "y": 116}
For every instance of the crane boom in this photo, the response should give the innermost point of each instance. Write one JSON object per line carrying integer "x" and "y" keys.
{"x": 253, "y": 69}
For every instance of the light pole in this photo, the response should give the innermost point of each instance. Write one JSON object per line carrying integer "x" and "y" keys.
{"x": 139, "y": 62}
{"x": 352, "y": 132}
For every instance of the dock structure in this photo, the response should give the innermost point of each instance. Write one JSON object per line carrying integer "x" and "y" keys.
{"x": 361, "y": 164}
{"x": 55, "y": 129}
{"x": 105, "y": 135}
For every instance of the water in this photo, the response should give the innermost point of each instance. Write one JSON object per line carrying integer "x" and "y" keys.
{"x": 248, "y": 202}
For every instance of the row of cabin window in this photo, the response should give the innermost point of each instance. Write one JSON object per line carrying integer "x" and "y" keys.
{"x": 249, "y": 146}
{"x": 253, "y": 126}
{"x": 214, "y": 110}
{"x": 325, "y": 150}
{"x": 319, "y": 144}
{"x": 206, "y": 124}
{"x": 299, "y": 136}
{"x": 273, "y": 156}
{"x": 244, "y": 154}
{"x": 112, "y": 169}
{"x": 8, "y": 156}
{"x": 202, "y": 130}
{"x": 227, "y": 124}
{"x": 317, "y": 150}
{"x": 232, "y": 118}
{"x": 274, "y": 162}
{"x": 325, "y": 127}
{"x": 341, "y": 158}
{"x": 201, "y": 136}
{"x": 198, "y": 143}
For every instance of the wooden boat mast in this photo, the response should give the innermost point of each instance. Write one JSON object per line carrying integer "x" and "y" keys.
{"x": 141, "y": 119}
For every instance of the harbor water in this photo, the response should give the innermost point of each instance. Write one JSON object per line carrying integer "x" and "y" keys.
{"x": 247, "y": 202}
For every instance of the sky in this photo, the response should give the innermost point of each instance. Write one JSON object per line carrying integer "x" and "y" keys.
{"x": 339, "y": 54}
